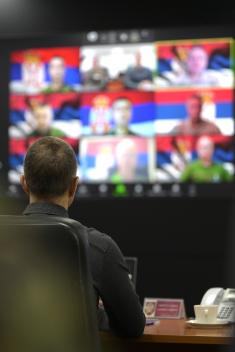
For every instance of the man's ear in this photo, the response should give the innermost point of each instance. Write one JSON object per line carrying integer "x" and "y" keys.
{"x": 72, "y": 189}
{"x": 24, "y": 184}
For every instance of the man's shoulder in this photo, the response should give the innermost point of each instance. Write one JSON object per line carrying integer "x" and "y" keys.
{"x": 99, "y": 240}
{"x": 56, "y": 132}
{"x": 193, "y": 165}
{"x": 65, "y": 89}
{"x": 180, "y": 128}
{"x": 211, "y": 125}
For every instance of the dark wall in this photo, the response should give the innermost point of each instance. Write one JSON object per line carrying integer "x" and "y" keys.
{"x": 181, "y": 243}
{"x": 39, "y": 16}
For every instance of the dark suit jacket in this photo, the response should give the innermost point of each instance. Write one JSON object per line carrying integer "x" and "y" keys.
{"x": 110, "y": 277}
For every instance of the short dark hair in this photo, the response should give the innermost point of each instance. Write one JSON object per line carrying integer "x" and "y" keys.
{"x": 196, "y": 97}
{"x": 49, "y": 167}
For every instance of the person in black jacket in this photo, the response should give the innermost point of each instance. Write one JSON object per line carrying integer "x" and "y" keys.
{"x": 50, "y": 180}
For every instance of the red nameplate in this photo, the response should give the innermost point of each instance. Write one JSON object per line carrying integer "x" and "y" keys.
{"x": 161, "y": 308}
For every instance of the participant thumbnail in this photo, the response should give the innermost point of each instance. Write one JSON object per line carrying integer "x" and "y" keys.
{"x": 118, "y": 113}
{"x": 201, "y": 62}
{"x": 118, "y": 67}
{"x": 116, "y": 159}
{"x": 45, "y": 70}
{"x": 32, "y": 117}
{"x": 204, "y": 159}
{"x": 194, "y": 112}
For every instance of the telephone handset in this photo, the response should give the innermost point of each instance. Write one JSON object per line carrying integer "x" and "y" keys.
{"x": 225, "y": 299}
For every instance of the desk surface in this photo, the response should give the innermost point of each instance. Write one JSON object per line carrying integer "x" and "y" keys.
{"x": 179, "y": 332}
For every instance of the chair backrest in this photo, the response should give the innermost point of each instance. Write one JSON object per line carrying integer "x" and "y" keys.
{"x": 132, "y": 263}
{"x": 46, "y": 298}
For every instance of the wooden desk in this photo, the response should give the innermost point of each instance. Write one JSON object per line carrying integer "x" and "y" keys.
{"x": 172, "y": 335}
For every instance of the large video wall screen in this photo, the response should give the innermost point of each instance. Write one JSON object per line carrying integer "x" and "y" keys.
{"x": 140, "y": 117}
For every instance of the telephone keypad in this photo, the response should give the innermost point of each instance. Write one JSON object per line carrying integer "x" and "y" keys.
{"x": 225, "y": 312}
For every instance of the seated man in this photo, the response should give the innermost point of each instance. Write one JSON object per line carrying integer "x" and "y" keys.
{"x": 190, "y": 68}
{"x": 122, "y": 111}
{"x": 126, "y": 160}
{"x": 138, "y": 76}
{"x": 97, "y": 77}
{"x": 56, "y": 71}
{"x": 42, "y": 114}
{"x": 205, "y": 169}
{"x": 50, "y": 180}
{"x": 194, "y": 124}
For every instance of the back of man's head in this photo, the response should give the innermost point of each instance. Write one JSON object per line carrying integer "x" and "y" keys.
{"x": 49, "y": 167}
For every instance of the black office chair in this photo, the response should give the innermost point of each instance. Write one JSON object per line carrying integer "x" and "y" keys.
{"x": 46, "y": 298}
